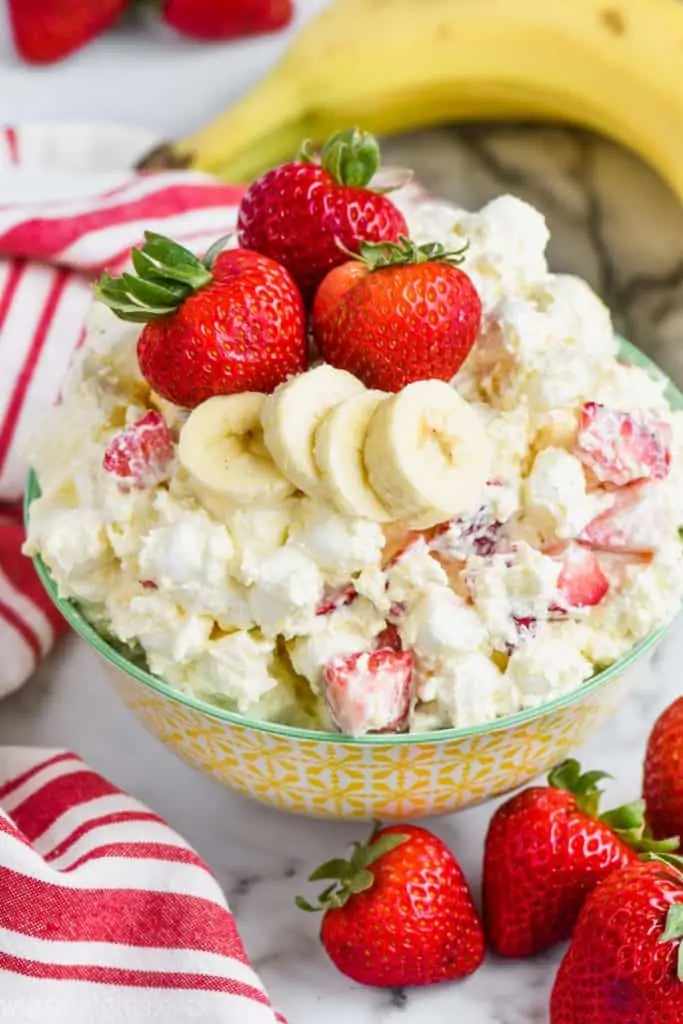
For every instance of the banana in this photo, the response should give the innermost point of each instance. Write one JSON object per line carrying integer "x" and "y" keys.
{"x": 613, "y": 67}
{"x": 427, "y": 454}
{"x": 290, "y": 417}
{"x": 221, "y": 448}
{"x": 338, "y": 453}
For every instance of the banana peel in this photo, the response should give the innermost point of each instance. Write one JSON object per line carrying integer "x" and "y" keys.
{"x": 612, "y": 66}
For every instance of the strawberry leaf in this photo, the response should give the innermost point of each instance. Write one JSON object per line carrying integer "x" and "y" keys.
{"x": 351, "y": 876}
{"x": 361, "y": 881}
{"x": 338, "y": 869}
{"x": 303, "y": 904}
{"x": 626, "y": 818}
{"x": 405, "y": 252}
{"x": 584, "y": 788}
{"x": 565, "y": 775}
{"x": 674, "y": 923}
{"x": 673, "y": 932}
{"x": 366, "y": 855}
{"x": 588, "y": 782}
{"x": 166, "y": 274}
{"x": 351, "y": 157}
{"x": 215, "y": 250}
{"x": 629, "y": 824}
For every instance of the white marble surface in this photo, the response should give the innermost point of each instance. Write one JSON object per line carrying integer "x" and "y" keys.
{"x": 612, "y": 222}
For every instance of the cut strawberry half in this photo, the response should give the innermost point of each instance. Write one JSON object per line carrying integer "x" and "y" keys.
{"x": 336, "y": 597}
{"x": 369, "y": 692}
{"x": 140, "y": 456}
{"x": 581, "y": 583}
{"x": 629, "y": 525}
{"x": 622, "y": 447}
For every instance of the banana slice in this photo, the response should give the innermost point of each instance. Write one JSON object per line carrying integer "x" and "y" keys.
{"x": 291, "y": 415}
{"x": 427, "y": 454}
{"x": 338, "y": 452}
{"x": 221, "y": 447}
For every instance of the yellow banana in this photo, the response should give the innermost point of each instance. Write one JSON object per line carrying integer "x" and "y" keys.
{"x": 613, "y": 66}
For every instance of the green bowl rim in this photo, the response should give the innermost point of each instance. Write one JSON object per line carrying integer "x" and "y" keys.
{"x": 629, "y": 353}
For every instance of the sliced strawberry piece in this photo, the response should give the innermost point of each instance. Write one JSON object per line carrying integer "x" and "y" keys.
{"x": 621, "y": 447}
{"x": 526, "y": 627}
{"x": 389, "y": 638}
{"x": 581, "y": 583}
{"x": 460, "y": 538}
{"x": 140, "y": 456}
{"x": 630, "y": 524}
{"x": 369, "y": 692}
{"x": 336, "y": 597}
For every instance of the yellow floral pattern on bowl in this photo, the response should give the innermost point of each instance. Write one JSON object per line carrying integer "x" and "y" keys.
{"x": 330, "y": 779}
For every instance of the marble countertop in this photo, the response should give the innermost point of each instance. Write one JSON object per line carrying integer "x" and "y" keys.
{"x": 612, "y": 222}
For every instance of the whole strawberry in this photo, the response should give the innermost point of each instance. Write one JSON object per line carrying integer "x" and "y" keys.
{"x": 399, "y": 912}
{"x": 625, "y": 963}
{"x": 546, "y": 849}
{"x": 663, "y": 783}
{"x": 231, "y": 322}
{"x": 226, "y": 19}
{"x": 398, "y": 314}
{"x": 308, "y": 215}
{"x": 48, "y": 30}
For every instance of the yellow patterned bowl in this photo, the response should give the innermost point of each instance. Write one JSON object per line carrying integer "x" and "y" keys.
{"x": 389, "y": 777}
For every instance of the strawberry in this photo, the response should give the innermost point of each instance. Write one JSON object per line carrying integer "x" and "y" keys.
{"x": 663, "y": 782}
{"x": 310, "y": 214}
{"x": 370, "y": 692}
{"x": 399, "y": 911}
{"x": 546, "y": 848}
{"x": 389, "y": 637}
{"x": 621, "y": 447}
{"x": 581, "y": 583}
{"x": 48, "y": 30}
{"x": 336, "y": 597}
{"x": 398, "y": 314}
{"x": 231, "y": 322}
{"x": 625, "y": 963}
{"x": 140, "y": 456}
{"x": 629, "y": 525}
{"x": 226, "y": 19}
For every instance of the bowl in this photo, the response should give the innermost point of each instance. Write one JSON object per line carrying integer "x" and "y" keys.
{"x": 326, "y": 775}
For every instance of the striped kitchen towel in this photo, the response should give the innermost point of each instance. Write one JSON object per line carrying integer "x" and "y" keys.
{"x": 69, "y": 208}
{"x": 106, "y": 914}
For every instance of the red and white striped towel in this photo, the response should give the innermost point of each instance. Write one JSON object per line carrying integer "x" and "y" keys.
{"x": 106, "y": 914}
{"x": 66, "y": 213}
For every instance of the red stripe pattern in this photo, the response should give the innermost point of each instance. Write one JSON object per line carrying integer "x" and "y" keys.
{"x": 50, "y": 250}
{"x": 107, "y": 910}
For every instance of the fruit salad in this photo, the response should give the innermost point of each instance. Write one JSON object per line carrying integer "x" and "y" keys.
{"x": 402, "y": 482}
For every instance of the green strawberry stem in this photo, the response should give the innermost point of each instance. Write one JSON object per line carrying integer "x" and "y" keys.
{"x": 627, "y": 822}
{"x": 166, "y": 275}
{"x": 673, "y": 928}
{"x": 378, "y": 255}
{"x": 351, "y": 876}
{"x": 352, "y": 157}
{"x": 568, "y": 777}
